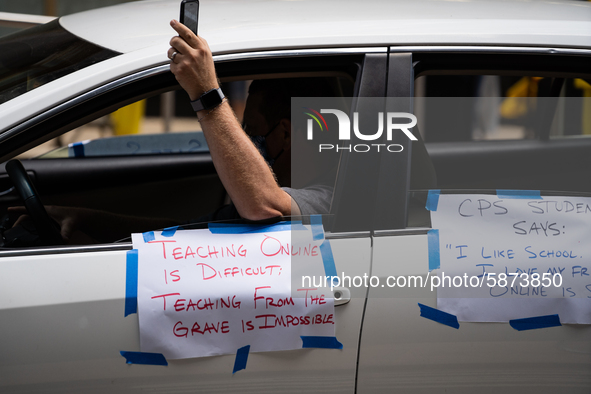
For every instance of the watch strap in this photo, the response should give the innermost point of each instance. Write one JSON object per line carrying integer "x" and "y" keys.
{"x": 208, "y": 100}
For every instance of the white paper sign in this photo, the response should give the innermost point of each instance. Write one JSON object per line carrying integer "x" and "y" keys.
{"x": 492, "y": 249}
{"x": 203, "y": 294}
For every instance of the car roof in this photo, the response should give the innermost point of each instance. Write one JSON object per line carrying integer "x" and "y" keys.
{"x": 236, "y": 25}
{"x": 140, "y": 31}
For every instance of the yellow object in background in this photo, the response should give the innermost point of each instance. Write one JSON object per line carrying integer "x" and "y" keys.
{"x": 586, "y": 109}
{"x": 519, "y": 98}
{"x": 127, "y": 120}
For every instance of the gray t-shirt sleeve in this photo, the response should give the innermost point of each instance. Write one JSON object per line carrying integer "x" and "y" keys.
{"x": 312, "y": 200}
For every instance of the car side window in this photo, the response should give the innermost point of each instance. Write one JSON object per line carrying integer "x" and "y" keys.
{"x": 500, "y": 107}
{"x": 161, "y": 124}
{"x": 516, "y": 128}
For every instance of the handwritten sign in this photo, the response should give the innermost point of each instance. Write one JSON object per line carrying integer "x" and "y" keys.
{"x": 506, "y": 258}
{"x": 203, "y": 294}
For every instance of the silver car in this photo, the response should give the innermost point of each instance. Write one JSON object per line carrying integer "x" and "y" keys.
{"x": 62, "y": 306}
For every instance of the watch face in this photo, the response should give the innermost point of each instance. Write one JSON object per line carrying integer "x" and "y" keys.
{"x": 211, "y": 99}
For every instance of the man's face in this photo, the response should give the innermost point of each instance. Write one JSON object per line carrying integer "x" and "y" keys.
{"x": 255, "y": 124}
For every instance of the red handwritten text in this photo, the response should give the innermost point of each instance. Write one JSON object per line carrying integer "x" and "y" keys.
{"x": 270, "y": 301}
{"x": 203, "y": 252}
{"x": 181, "y": 331}
{"x": 209, "y": 272}
{"x": 272, "y": 247}
{"x": 273, "y": 321}
{"x": 182, "y": 304}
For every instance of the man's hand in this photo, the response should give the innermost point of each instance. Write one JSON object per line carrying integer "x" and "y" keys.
{"x": 241, "y": 168}
{"x": 192, "y": 65}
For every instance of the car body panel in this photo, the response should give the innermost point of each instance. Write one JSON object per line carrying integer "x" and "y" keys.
{"x": 87, "y": 292}
{"x": 311, "y": 24}
{"x": 403, "y": 350}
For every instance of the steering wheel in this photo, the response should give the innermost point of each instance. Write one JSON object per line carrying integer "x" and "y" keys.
{"x": 47, "y": 228}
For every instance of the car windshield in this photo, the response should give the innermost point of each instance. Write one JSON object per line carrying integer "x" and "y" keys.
{"x": 33, "y": 57}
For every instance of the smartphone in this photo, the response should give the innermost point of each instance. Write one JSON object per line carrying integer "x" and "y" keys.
{"x": 190, "y": 14}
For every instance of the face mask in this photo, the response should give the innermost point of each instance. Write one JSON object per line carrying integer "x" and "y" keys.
{"x": 260, "y": 143}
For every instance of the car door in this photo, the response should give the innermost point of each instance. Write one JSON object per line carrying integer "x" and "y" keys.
{"x": 402, "y": 348}
{"x": 63, "y": 306}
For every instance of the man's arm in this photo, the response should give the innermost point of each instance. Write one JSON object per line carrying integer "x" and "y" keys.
{"x": 243, "y": 171}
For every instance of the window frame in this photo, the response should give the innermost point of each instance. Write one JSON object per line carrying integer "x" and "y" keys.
{"x": 100, "y": 101}
{"x": 475, "y": 60}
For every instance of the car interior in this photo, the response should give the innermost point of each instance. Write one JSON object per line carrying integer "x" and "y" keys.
{"x": 178, "y": 186}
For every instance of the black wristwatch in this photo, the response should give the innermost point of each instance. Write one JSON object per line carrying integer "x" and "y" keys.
{"x": 208, "y": 100}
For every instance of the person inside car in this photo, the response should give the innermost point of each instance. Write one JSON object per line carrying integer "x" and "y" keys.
{"x": 253, "y": 160}
{"x": 254, "y": 184}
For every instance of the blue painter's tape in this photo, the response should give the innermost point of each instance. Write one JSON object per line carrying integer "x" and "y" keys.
{"x": 144, "y": 358}
{"x": 149, "y": 236}
{"x": 439, "y": 316}
{"x": 78, "y": 148}
{"x": 241, "y": 359}
{"x": 169, "y": 232}
{"x": 131, "y": 282}
{"x": 432, "y": 200}
{"x": 317, "y": 229}
{"x": 520, "y": 194}
{"x": 321, "y": 342}
{"x": 327, "y": 259}
{"x": 533, "y": 323}
{"x": 433, "y": 245}
{"x": 297, "y": 226}
{"x": 222, "y": 228}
